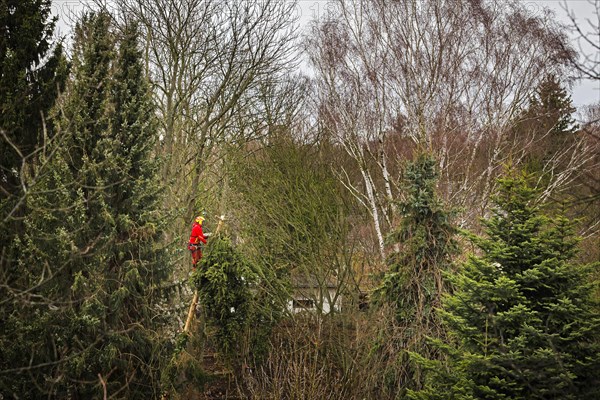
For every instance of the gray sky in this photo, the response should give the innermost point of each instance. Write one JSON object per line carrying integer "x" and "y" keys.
{"x": 586, "y": 91}
{"x": 582, "y": 93}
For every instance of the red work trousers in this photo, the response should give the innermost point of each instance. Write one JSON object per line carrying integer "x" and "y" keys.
{"x": 196, "y": 251}
{"x": 196, "y": 256}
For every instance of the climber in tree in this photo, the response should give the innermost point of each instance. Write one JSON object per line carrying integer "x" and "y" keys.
{"x": 197, "y": 238}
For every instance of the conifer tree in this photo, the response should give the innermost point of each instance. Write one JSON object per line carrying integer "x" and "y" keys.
{"x": 548, "y": 127}
{"x": 93, "y": 234}
{"x": 31, "y": 71}
{"x": 552, "y": 108}
{"x": 414, "y": 285}
{"x": 224, "y": 282}
{"x": 522, "y": 319}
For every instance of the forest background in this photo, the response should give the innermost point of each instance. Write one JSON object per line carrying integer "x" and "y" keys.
{"x": 414, "y": 174}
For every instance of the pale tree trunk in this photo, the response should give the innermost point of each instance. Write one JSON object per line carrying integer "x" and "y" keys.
{"x": 456, "y": 93}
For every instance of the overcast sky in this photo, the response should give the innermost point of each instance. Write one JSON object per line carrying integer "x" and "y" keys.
{"x": 582, "y": 93}
{"x": 587, "y": 91}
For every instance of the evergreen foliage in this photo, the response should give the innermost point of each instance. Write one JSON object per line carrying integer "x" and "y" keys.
{"x": 522, "y": 320}
{"x": 423, "y": 249}
{"x": 552, "y": 108}
{"x": 298, "y": 166}
{"x": 31, "y": 72}
{"x": 224, "y": 281}
{"x": 85, "y": 319}
{"x": 548, "y": 127}
{"x": 232, "y": 292}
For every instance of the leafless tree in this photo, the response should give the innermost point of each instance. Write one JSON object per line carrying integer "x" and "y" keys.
{"x": 586, "y": 202}
{"x": 210, "y": 62}
{"x": 587, "y": 32}
{"x": 445, "y": 75}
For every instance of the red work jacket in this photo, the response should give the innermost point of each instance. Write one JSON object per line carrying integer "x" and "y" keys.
{"x": 197, "y": 235}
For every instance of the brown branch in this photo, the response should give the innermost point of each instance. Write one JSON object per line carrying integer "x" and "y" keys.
{"x": 103, "y": 383}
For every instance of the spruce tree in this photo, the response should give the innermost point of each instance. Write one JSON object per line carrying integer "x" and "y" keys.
{"x": 31, "y": 71}
{"x": 424, "y": 246}
{"x": 552, "y": 108}
{"x": 93, "y": 234}
{"x": 224, "y": 282}
{"x": 548, "y": 128}
{"x": 522, "y": 319}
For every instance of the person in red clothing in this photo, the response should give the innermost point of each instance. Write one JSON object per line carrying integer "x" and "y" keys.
{"x": 197, "y": 238}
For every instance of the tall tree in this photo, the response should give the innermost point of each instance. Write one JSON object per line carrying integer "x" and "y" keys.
{"x": 392, "y": 74}
{"x": 208, "y": 72}
{"x": 522, "y": 317}
{"x": 553, "y": 106}
{"x": 31, "y": 71}
{"x": 91, "y": 259}
{"x": 423, "y": 246}
{"x": 549, "y": 144}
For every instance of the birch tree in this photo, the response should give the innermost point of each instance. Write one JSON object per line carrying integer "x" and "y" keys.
{"x": 587, "y": 33}
{"x": 446, "y": 75}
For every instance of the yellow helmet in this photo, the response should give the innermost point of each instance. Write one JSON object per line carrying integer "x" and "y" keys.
{"x": 199, "y": 219}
